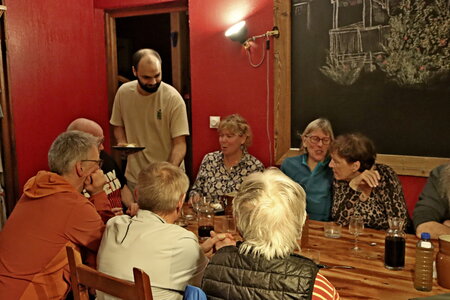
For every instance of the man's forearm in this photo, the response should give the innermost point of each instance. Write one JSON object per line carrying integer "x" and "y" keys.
{"x": 119, "y": 134}
{"x": 178, "y": 150}
{"x": 435, "y": 229}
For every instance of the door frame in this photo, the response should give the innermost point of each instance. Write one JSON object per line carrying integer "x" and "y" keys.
{"x": 179, "y": 71}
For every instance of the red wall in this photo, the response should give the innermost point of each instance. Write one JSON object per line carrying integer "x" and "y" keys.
{"x": 56, "y": 72}
{"x": 223, "y": 82}
{"x": 57, "y": 69}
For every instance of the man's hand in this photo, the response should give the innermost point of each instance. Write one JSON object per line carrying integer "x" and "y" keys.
{"x": 94, "y": 183}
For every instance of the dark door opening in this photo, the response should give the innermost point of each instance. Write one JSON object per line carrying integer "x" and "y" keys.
{"x": 164, "y": 30}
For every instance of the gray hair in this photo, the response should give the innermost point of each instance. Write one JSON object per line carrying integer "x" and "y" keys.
{"x": 68, "y": 148}
{"x": 270, "y": 212}
{"x": 237, "y": 125}
{"x": 160, "y": 187}
{"x": 320, "y": 123}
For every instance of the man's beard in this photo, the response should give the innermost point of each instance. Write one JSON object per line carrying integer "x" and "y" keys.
{"x": 149, "y": 88}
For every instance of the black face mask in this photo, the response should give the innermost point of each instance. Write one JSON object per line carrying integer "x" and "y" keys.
{"x": 149, "y": 88}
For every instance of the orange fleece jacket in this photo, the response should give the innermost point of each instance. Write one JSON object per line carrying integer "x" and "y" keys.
{"x": 50, "y": 215}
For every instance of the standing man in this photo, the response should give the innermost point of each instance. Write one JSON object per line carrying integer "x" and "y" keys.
{"x": 150, "y": 113}
{"x": 116, "y": 185}
{"x": 52, "y": 214}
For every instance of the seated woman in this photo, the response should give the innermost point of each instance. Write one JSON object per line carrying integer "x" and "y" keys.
{"x": 311, "y": 170}
{"x": 270, "y": 213}
{"x": 363, "y": 187}
{"x": 221, "y": 172}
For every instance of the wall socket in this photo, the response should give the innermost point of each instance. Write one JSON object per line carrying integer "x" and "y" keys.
{"x": 214, "y": 121}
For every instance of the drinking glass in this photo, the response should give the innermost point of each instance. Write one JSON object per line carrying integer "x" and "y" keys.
{"x": 356, "y": 227}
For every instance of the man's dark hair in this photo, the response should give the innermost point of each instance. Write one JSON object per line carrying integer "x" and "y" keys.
{"x": 144, "y": 52}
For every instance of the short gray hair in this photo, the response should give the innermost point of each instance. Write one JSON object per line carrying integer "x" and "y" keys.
{"x": 68, "y": 148}
{"x": 270, "y": 211}
{"x": 321, "y": 124}
{"x": 160, "y": 187}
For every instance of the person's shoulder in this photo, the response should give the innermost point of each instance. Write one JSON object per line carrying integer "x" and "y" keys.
{"x": 212, "y": 155}
{"x": 167, "y": 89}
{"x": 384, "y": 169}
{"x": 118, "y": 220}
{"x": 130, "y": 85}
{"x": 293, "y": 159}
{"x": 440, "y": 169}
{"x": 323, "y": 289}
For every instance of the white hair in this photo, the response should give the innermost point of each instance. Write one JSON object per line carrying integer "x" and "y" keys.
{"x": 270, "y": 213}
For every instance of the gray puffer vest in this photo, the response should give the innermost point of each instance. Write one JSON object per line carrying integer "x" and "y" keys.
{"x": 233, "y": 276}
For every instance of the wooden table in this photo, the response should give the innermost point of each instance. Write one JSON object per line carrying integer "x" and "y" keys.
{"x": 370, "y": 279}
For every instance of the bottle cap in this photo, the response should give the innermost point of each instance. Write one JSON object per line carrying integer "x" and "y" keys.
{"x": 425, "y": 236}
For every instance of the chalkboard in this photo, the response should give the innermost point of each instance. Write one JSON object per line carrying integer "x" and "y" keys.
{"x": 400, "y": 120}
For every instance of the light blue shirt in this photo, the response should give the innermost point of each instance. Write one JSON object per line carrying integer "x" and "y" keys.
{"x": 316, "y": 183}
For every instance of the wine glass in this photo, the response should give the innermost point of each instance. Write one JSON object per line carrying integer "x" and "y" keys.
{"x": 356, "y": 227}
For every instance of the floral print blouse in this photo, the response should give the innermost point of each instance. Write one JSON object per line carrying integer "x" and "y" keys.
{"x": 215, "y": 180}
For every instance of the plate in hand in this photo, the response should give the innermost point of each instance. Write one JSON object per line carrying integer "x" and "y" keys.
{"x": 129, "y": 149}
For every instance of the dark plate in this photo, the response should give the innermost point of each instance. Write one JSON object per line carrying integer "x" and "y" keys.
{"x": 131, "y": 149}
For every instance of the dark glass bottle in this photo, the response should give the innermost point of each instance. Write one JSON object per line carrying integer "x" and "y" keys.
{"x": 394, "y": 249}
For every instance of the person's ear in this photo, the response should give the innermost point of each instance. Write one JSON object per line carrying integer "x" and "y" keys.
{"x": 79, "y": 169}
{"x": 134, "y": 71}
{"x": 356, "y": 165}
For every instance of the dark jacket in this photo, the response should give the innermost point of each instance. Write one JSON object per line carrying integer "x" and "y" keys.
{"x": 231, "y": 275}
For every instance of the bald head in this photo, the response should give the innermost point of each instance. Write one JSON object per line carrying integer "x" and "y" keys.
{"x": 88, "y": 126}
{"x": 149, "y": 55}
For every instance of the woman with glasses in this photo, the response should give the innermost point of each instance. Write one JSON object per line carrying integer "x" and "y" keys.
{"x": 311, "y": 170}
{"x": 363, "y": 187}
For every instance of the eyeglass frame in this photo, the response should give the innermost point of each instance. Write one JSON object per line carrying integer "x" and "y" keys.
{"x": 98, "y": 161}
{"x": 325, "y": 140}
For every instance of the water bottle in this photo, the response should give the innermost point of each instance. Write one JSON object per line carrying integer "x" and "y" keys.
{"x": 423, "y": 277}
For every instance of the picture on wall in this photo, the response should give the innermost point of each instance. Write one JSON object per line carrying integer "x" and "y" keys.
{"x": 380, "y": 67}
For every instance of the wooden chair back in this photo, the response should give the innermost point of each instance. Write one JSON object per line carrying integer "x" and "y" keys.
{"x": 83, "y": 277}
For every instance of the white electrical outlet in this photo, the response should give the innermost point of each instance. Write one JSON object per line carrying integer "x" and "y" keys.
{"x": 214, "y": 121}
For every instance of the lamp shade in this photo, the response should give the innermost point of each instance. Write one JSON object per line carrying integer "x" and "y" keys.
{"x": 237, "y": 32}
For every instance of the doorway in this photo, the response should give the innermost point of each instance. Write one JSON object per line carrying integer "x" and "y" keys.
{"x": 163, "y": 27}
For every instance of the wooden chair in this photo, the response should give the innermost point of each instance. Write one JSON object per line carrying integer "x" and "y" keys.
{"x": 83, "y": 277}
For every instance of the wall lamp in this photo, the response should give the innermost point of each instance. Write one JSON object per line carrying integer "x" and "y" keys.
{"x": 238, "y": 33}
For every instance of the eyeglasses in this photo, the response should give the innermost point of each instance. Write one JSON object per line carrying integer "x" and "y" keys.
{"x": 98, "y": 161}
{"x": 315, "y": 139}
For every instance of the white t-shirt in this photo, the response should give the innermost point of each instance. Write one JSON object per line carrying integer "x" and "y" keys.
{"x": 168, "y": 253}
{"x": 150, "y": 121}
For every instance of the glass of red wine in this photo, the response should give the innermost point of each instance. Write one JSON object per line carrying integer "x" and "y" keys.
{"x": 205, "y": 220}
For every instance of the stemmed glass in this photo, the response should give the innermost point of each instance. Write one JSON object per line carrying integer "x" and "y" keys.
{"x": 356, "y": 227}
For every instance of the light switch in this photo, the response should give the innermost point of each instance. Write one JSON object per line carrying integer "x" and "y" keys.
{"x": 214, "y": 121}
